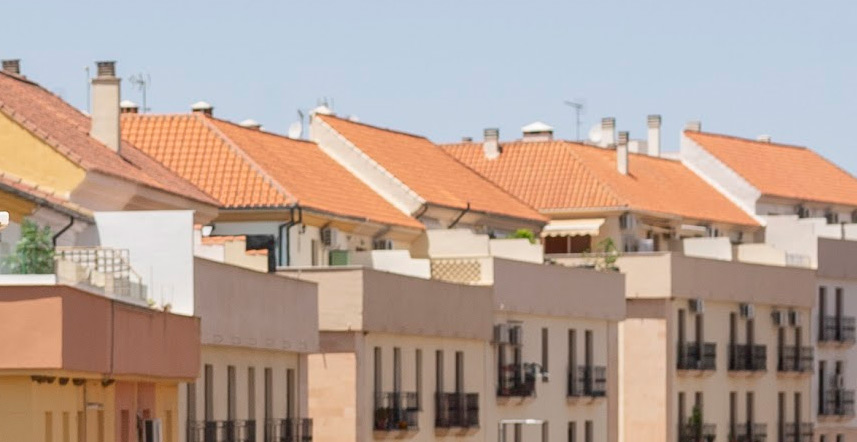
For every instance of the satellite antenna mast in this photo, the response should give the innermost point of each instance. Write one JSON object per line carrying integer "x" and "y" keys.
{"x": 142, "y": 82}
{"x": 88, "y": 91}
{"x": 578, "y": 107}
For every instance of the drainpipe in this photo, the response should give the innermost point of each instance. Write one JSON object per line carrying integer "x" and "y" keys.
{"x": 63, "y": 230}
{"x": 285, "y": 258}
{"x": 460, "y": 215}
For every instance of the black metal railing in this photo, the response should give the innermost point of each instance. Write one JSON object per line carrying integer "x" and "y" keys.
{"x": 837, "y": 402}
{"x": 517, "y": 381}
{"x": 837, "y": 329}
{"x": 587, "y": 381}
{"x": 396, "y": 411}
{"x": 695, "y": 356}
{"x": 797, "y": 432}
{"x": 222, "y": 431}
{"x": 288, "y": 430}
{"x": 459, "y": 410}
{"x": 750, "y": 432}
{"x": 697, "y": 432}
{"x": 745, "y": 357}
{"x": 795, "y": 359}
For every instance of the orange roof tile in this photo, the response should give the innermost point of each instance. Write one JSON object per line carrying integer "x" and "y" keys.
{"x": 42, "y": 196}
{"x": 782, "y": 170}
{"x": 427, "y": 170}
{"x": 66, "y": 129}
{"x": 249, "y": 168}
{"x": 560, "y": 175}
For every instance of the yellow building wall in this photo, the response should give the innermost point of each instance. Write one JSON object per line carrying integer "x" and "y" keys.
{"x": 166, "y": 409}
{"x": 26, "y": 156}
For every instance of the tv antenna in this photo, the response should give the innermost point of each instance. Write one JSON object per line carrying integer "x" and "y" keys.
{"x": 142, "y": 82}
{"x": 88, "y": 90}
{"x": 578, "y": 109}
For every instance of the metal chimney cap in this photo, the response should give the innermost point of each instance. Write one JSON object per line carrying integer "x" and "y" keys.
{"x": 654, "y": 120}
{"x": 250, "y": 124}
{"x": 200, "y": 106}
{"x": 12, "y": 66}
{"x": 106, "y": 68}
{"x": 693, "y": 126}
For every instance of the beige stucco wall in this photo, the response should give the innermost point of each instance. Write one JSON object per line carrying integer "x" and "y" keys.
{"x": 644, "y": 381}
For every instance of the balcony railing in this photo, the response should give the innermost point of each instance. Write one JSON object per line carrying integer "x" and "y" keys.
{"x": 517, "y": 381}
{"x": 795, "y": 359}
{"x": 457, "y": 410}
{"x": 837, "y": 402}
{"x": 288, "y": 430}
{"x": 837, "y": 329}
{"x": 748, "y": 357}
{"x": 105, "y": 269}
{"x": 697, "y": 433}
{"x": 222, "y": 431}
{"x": 396, "y": 411}
{"x": 587, "y": 381}
{"x": 693, "y": 356}
{"x": 750, "y": 432}
{"x": 797, "y": 432}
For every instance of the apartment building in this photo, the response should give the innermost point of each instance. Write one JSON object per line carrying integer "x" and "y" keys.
{"x": 808, "y": 207}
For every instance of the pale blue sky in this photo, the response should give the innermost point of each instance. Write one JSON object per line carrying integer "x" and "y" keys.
{"x": 446, "y": 69}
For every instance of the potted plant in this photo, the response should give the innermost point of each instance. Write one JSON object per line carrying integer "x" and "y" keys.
{"x": 382, "y": 418}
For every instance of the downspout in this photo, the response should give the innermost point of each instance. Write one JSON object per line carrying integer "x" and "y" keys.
{"x": 460, "y": 215}
{"x": 285, "y": 255}
{"x": 422, "y": 211}
{"x": 63, "y": 230}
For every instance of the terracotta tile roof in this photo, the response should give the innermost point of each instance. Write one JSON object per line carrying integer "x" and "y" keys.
{"x": 560, "y": 175}
{"x": 222, "y": 239}
{"x": 427, "y": 170}
{"x": 42, "y": 196}
{"x": 249, "y": 168}
{"x": 782, "y": 170}
{"x": 66, "y": 129}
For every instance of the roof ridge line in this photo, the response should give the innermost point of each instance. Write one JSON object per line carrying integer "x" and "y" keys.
{"x": 33, "y": 129}
{"x": 589, "y": 173}
{"x": 245, "y": 156}
{"x": 360, "y": 123}
{"x": 749, "y": 140}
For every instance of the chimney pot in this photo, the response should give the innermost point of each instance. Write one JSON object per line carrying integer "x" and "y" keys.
{"x": 537, "y": 131}
{"x": 105, "y": 106}
{"x": 764, "y": 138}
{"x": 693, "y": 126}
{"x": 622, "y": 153}
{"x": 608, "y": 129}
{"x": 491, "y": 145}
{"x": 251, "y": 124}
{"x": 128, "y": 107}
{"x": 203, "y": 108}
{"x": 12, "y": 66}
{"x": 654, "y": 135}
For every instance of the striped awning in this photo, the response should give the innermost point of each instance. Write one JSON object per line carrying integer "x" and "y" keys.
{"x": 573, "y": 227}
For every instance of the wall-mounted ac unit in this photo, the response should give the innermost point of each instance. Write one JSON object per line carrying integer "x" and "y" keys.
{"x": 627, "y": 221}
{"x": 779, "y": 317}
{"x": 382, "y": 244}
{"x": 697, "y": 306}
{"x": 501, "y": 334}
{"x": 329, "y": 236}
{"x": 747, "y": 311}
{"x": 794, "y": 318}
{"x": 152, "y": 431}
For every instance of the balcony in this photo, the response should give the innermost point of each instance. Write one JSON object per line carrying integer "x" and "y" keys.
{"x": 745, "y": 357}
{"x": 288, "y": 430}
{"x": 838, "y": 403}
{"x": 794, "y": 359}
{"x": 697, "y": 432}
{"x": 517, "y": 381}
{"x": 222, "y": 431}
{"x": 837, "y": 329}
{"x": 396, "y": 411}
{"x": 100, "y": 269}
{"x": 587, "y": 381}
{"x": 457, "y": 410}
{"x": 797, "y": 432}
{"x": 750, "y": 432}
{"x": 696, "y": 356}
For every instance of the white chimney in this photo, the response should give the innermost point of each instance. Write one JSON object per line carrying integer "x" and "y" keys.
{"x": 764, "y": 138}
{"x": 537, "y": 131}
{"x": 608, "y": 129}
{"x": 491, "y": 145}
{"x": 251, "y": 124}
{"x": 693, "y": 126}
{"x": 622, "y": 153}
{"x": 12, "y": 66}
{"x": 105, "y": 105}
{"x": 654, "y": 141}
{"x": 128, "y": 107}
{"x": 202, "y": 107}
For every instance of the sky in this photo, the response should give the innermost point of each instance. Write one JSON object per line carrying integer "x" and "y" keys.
{"x": 448, "y": 69}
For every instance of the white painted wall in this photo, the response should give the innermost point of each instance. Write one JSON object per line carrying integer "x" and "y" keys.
{"x": 395, "y": 261}
{"x": 713, "y": 248}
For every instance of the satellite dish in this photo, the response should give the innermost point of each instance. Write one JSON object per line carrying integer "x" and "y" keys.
{"x": 295, "y": 130}
{"x": 595, "y": 134}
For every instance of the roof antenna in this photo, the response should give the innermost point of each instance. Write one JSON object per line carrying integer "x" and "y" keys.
{"x": 578, "y": 109}
{"x": 88, "y": 91}
{"x": 142, "y": 81}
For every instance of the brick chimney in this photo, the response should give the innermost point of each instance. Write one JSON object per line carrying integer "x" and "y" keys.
{"x": 622, "y": 153}
{"x": 491, "y": 145}
{"x": 654, "y": 139}
{"x": 12, "y": 66}
{"x": 105, "y": 105}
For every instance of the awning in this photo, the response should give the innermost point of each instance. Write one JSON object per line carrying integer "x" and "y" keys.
{"x": 573, "y": 227}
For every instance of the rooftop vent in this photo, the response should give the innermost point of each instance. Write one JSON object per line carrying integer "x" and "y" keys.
{"x": 202, "y": 107}
{"x": 12, "y": 66}
{"x": 128, "y": 107}
{"x": 106, "y": 69}
{"x": 622, "y": 153}
{"x": 693, "y": 126}
{"x": 251, "y": 124}
{"x": 491, "y": 145}
{"x": 764, "y": 138}
{"x": 537, "y": 131}
{"x": 653, "y": 143}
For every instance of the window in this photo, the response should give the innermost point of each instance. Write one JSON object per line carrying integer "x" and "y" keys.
{"x": 459, "y": 372}
{"x": 269, "y": 393}
{"x": 518, "y": 433}
{"x": 733, "y": 411}
{"x": 750, "y": 407}
{"x": 572, "y": 361}
{"x": 397, "y": 369}
{"x": 208, "y": 396}
{"x": 588, "y": 432}
{"x": 66, "y": 427}
{"x": 191, "y": 402}
{"x": 290, "y": 392}
{"x": 418, "y": 358}
{"x": 49, "y": 426}
{"x": 587, "y": 348}
{"x": 781, "y": 416}
{"x": 681, "y": 418}
{"x": 230, "y": 392}
{"x": 545, "y": 346}
{"x": 251, "y": 393}
{"x": 377, "y": 380}
{"x": 572, "y": 432}
{"x": 545, "y": 432}
{"x": 439, "y": 370}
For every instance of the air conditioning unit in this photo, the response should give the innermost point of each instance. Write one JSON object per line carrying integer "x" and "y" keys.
{"x": 779, "y": 317}
{"x": 747, "y": 311}
{"x": 697, "y": 306}
{"x": 329, "y": 236}
{"x": 794, "y": 318}
{"x": 802, "y": 211}
{"x": 501, "y": 334}
{"x": 646, "y": 245}
{"x": 627, "y": 221}
{"x": 516, "y": 335}
{"x": 382, "y": 244}
{"x": 152, "y": 431}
